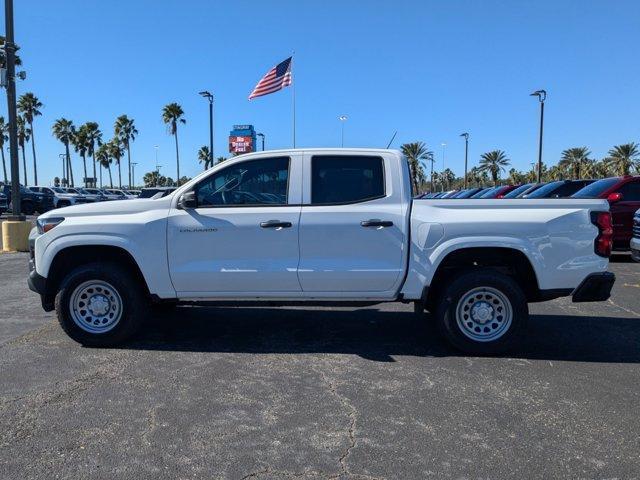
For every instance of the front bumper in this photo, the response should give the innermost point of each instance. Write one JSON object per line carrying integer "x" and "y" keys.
{"x": 595, "y": 288}
{"x": 635, "y": 249}
{"x": 37, "y": 283}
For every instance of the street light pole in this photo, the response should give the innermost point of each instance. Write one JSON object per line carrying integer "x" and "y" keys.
{"x": 10, "y": 51}
{"x": 63, "y": 157}
{"x": 209, "y": 96}
{"x": 261, "y": 135}
{"x": 443, "y": 145}
{"x": 342, "y": 118}
{"x": 133, "y": 174}
{"x": 466, "y": 155}
{"x": 157, "y": 166}
{"x": 542, "y": 96}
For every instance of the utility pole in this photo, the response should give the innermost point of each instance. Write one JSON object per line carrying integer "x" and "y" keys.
{"x": 10, "y": 52}
{"x": 542, "y": 96}
{"x": 466, "y": 155}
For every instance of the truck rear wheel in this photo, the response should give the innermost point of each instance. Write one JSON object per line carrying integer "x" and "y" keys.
{"x": 100, "y": 304}
{"x": 482, "y": 312}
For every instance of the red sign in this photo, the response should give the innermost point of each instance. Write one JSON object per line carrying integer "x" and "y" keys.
{"x": 240, "y": 144}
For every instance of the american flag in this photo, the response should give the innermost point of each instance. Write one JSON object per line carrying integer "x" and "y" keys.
{"x": 276, "y": 79}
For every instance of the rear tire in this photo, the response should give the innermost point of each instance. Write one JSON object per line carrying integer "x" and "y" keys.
{"x": 101, "y": 304}
{"x": 482, "y": 312}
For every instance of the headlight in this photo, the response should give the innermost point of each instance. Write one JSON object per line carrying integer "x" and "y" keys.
{"x": 46, "y": 224}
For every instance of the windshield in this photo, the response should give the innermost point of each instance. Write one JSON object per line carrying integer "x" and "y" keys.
{"x": 490, "y": 192}
{"x": 481, "y": 192}
{"x": 596, "y": 188}
{"x": 517, "y": 191}
{"x": 545, "y": 190}
{"x": 58, "y": 190}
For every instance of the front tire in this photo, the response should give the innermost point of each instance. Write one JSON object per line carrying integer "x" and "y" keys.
{"x": 101, "y": 304}
{"x": 28, "y": 208}
{"x": 482, "y": 312}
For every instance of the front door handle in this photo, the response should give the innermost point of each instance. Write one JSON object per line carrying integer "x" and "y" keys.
{"x": 275, "y": 224}
{"x": 374, "y": 222}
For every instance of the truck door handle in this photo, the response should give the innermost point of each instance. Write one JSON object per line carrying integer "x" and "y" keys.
{"x": 275, "y": 224}
{"x": 374, "y": 222}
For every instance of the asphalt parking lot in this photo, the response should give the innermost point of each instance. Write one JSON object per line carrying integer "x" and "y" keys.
{"x": 320, "y": 393}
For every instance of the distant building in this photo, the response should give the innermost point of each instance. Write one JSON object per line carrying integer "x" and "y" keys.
{"x": 242, "y": 139}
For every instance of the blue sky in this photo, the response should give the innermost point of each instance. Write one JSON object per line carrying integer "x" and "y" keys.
{"x": 429, "y": 70}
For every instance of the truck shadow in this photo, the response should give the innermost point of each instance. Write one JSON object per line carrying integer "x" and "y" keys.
{"x": 376, "y": 335}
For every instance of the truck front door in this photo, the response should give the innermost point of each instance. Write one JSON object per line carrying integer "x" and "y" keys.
{"x": 242, "y": 237}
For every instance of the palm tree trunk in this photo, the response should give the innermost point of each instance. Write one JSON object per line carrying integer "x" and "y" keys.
{"x": 119, "y": 174}
{"x": 4, "y": 164}
{"x": 110, "y": 178}
{"x": 24, "y": 166}
{"x": 100, "y": 167}
{"x": 69, "y": 168}
{"x": 129, "y": 163}
{"x": 84, "y": 164}
{"x": 33, "y": 150}
{"x": 177, "y": 157}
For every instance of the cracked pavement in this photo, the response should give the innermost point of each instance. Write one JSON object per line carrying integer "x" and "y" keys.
{"x": 341, "y": 393}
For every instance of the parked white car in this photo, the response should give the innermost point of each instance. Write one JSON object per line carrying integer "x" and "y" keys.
{"x": 635, "y": 240}
{"x": 319, "y": 225}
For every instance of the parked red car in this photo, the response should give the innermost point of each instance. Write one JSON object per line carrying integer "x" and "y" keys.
{"x": 623, "y": 194}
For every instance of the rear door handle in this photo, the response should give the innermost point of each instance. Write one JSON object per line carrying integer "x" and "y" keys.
{"x": 275, "y": 224}
{"x": 374, "y": 222}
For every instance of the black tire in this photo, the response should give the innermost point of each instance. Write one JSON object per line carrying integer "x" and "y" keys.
{"x": 134, "y": 303}
{"x": 489, "y": 282}
{"x": 28, "y": 208}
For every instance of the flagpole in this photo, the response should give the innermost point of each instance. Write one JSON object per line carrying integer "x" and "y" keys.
{"x": 293, "y": 95}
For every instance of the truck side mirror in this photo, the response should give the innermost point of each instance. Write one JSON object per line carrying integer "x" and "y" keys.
{"x": 188, "y": 200}
{"x": 614, "y": 197}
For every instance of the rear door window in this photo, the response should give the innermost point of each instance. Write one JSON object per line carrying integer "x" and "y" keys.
{"x": 343, "y": 179}
{"x": 630, "y": 192}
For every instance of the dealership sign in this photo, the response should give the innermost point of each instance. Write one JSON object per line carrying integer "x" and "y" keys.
{"x": 240, "y": 144}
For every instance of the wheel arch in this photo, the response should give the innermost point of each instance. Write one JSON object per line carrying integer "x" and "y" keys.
{"x": 70, "y": 257}
{"x": 508, "y": 260}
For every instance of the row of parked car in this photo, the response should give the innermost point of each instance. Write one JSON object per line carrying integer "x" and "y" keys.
{"x": 622, "y": 193}
{"x": 42, "y": 199}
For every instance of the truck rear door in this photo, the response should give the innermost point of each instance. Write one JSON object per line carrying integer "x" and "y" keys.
{"x": 352, "y": 225}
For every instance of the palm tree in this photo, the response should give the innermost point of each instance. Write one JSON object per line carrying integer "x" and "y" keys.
{"x": 204, "y": 156}
{"x": 574, "y": 160}
{"x": 126, "y": 131}
{"x": 4, "y": 127}
{"x": 623, "y": 157}
{"x": 80, "y": 144}
{"x": 93, "y": 137}
{"x": 115, "y": 152}
{"x": 415, "y": 153}
{"x": 24, "y": 133}
{"x": 220, "y": 159}
{"x": 172, "y": 115}
{"x": 494, "y": 162}
{"x": 64, "y": 131}
{"x": 103, "y": 156}
{"x": 28, "y": 106}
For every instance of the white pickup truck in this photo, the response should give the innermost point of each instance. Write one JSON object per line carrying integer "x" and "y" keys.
{"x": 318, "y": 226}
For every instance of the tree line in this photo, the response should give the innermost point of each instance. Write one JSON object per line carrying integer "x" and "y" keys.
{"x": 574, "y": 163}
{"x": 87, "y": 141}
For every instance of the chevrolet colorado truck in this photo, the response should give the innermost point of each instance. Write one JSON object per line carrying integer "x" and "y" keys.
{"x": 329, "y": 226}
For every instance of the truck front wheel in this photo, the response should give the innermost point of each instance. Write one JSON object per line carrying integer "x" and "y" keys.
{"x": 100, "y": 304}
{"x": 482, "y": 312}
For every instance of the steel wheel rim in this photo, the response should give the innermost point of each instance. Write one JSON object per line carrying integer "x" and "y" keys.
{"x": 95, "y": 306}
{"x": 484, "y": 314}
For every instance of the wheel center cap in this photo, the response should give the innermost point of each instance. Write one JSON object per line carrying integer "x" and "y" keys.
{"x": 98, "y": 305}
{"x": 482, "y": 312}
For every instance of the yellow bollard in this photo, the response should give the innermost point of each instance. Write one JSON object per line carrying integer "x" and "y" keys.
{"x": 15, "y": 236}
